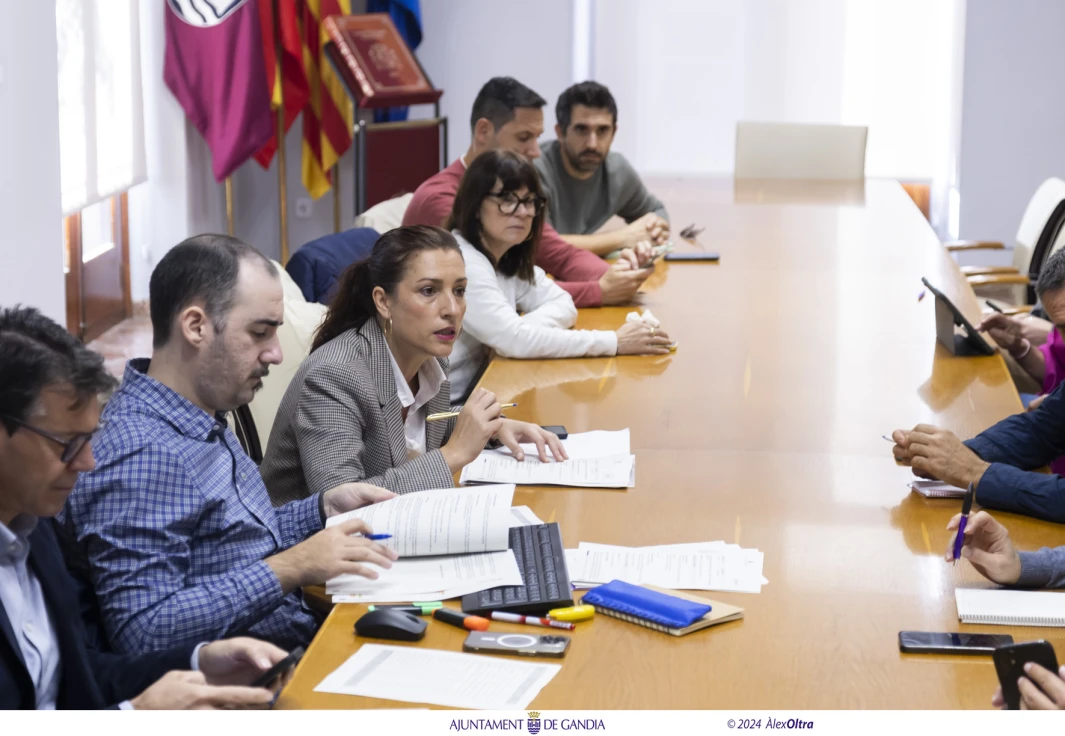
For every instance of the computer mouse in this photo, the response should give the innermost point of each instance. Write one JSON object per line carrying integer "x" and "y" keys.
{"x": 387, "y": 623}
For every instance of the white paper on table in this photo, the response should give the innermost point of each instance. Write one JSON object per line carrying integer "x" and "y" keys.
{"x": 581, "y": 445}
{"x": 441, "y": 522}
{"x": 523, "y": 516}
{"x": 417, "y": 675}
{"x": 430, "y": 594}
{"x": 602, "y": 472}
{"x": 487, "y": 569}
{"x": 727, "y": 569}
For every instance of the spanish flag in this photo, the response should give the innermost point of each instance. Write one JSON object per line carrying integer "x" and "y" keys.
{"x": 328, "y": 117}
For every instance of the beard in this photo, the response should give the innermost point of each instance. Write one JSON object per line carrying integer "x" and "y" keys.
{"x": 585, "y": 161}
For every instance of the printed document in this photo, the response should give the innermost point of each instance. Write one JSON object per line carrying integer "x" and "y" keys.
{"x": 416, "y": 675}
{"x": 596, "y": 459}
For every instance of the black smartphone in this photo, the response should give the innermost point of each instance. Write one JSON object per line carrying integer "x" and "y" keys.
{"x": 267, "y": 678}
{"x": 526, "y": 645}
{"x": 932, "y": 642}
{"x": 557, "y": 429}
{"x": 674, "y": 256}
{"x": 1010, "y": 661}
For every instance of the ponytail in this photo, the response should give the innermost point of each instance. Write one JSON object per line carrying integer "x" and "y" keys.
{"x": 353, "y": 303}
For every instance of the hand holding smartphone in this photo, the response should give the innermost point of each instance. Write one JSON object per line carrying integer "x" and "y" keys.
{"x": 1010, "y": 662}
{"x": 268, "y": 678}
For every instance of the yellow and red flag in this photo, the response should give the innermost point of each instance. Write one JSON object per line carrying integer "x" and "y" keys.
{"x": 292, "y": 75}
{"x": 328, "y": 117}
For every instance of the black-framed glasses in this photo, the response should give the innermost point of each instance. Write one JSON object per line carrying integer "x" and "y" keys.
{"x": 508, "y": 202}
{"x": 71, "y": 447}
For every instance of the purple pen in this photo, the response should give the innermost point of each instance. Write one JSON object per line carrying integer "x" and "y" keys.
{"x": 966, "y": 507}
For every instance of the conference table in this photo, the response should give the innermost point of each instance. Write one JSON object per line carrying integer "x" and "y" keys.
{"x": 797, "y": 352}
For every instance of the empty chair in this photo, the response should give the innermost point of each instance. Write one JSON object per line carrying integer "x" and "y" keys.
{"x": 800, "y": 151}
{"x": 1038, "y": 235}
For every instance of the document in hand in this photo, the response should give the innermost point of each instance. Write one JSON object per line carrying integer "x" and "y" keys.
{"x": 596, "y": 460}
{"x": 461, "y": 536}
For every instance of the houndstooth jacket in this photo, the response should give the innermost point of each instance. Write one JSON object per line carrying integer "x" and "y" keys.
{"x": 342, "y": 421}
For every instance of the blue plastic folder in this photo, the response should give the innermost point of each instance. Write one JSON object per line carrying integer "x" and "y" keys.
{"x": 645, "y": 607}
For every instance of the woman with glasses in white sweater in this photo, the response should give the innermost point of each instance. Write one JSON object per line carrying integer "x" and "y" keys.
{"x": 511, "y": 305}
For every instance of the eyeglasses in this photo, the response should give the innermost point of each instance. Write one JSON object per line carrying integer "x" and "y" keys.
{"x": 508, "y": 202}
{"x": 71, "y": 447}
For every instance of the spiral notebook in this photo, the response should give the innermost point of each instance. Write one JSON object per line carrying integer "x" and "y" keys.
{"x": 659, "y": 609}
{"x": 1010, "y": 607}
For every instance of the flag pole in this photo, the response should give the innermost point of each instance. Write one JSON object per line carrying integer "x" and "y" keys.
{"x": 282, "y": 187}
{"x": 229, "y": 206}
{"x": 336, "y": 197}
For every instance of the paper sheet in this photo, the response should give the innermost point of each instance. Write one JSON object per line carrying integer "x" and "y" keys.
{"x": 602, "y": 472}
{"x": 416, "y": 675}
{"x": 441, "y": 522}
{"x": 406, "y": 577}
{"x": 699, "y": 566}
{"x": 936, "y": 489}
{"x": 523, "y": 516}
{"x": 582, "y": 445}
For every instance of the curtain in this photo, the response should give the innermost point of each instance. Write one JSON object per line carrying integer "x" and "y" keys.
{"x": 101, "y": 116}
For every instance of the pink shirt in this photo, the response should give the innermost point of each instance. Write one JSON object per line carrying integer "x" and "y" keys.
{"x": 1054, "y": 353}
{"x": 575, "y": 270}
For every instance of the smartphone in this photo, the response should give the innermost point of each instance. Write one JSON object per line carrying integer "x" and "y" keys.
{"x": 557, "y": 429}
{"x": 526, "y": 645}
{"x": 1010, "y": 661}
{"x": 929, "y": 642}
{"x": 674, "y": 256}
{"x": 267, "y": 678}
{"x": 659, "y": 252}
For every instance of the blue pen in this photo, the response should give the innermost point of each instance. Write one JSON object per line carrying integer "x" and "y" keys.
{"x": 377, "y": 537}
{"x": 966, "y": 507}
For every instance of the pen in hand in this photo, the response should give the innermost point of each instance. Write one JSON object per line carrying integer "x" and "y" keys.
{"x": 966, "y": 507}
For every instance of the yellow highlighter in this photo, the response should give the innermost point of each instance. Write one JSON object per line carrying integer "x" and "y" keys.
{"x": 573, "y": 613}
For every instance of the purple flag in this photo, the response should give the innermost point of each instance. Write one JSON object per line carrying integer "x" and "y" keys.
{"x": 215, "y": 68}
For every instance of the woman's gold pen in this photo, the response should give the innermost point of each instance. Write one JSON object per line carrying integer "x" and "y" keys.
{"x": 449, "y": 414}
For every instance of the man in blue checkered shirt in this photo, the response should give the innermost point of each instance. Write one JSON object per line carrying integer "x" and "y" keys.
{"x": 175, "y": 525}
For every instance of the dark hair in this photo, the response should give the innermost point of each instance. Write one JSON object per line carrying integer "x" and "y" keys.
{"x": 353, "y": 303}
{"x": 498, "y": 99}
{"x": 38, "y": 353}
{"x": 1052, "y": 274}
{"x": 515, "y": 172}
{"x": 203, "y": 267}
{"x": 589, "y": 94}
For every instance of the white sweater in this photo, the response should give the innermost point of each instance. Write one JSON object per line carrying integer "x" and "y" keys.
{"x": 492, "y": 321}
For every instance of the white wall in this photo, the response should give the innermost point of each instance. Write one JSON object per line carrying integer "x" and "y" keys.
{"x": 31, "y": 249}
{"x": 467, "y": 43}
{"x": 1013, "y": 112}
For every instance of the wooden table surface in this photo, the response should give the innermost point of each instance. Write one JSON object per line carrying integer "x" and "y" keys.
{"x": 802, "y": 347}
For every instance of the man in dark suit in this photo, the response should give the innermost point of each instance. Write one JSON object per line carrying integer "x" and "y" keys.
{"x": 49, "y": 407}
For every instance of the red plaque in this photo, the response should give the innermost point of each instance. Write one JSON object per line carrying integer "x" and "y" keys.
{"x": 375, "y": 63}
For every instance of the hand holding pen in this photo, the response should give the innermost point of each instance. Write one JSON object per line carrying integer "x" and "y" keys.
{"x": 966, "y": 507}
{"x": 987, "y": 546}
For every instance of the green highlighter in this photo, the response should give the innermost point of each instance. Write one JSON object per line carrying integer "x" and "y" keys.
{"x": 418, "y": 608}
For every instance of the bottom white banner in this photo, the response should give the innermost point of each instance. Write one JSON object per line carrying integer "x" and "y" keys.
{"x": 615, "y": 723}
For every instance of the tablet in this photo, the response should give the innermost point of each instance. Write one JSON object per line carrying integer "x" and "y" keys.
{"x": 947, "y": 316}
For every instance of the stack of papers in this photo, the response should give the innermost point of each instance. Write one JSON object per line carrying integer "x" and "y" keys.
{"x": 697, "y": 566}
{"x": 458, "y": 538}
{"x": 596, "y": 460}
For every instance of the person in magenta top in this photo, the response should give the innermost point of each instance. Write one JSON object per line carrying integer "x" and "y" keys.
{"x": 507, "y": 114}
{"x": 1045, "y": 363}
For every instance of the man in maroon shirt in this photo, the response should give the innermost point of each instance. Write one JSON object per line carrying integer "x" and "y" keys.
{"x": 508, "y": 114}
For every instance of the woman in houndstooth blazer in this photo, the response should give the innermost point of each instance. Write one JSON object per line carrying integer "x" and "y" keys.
{"x": 356, "y": 409}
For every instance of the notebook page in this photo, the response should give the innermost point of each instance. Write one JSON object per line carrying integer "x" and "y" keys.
{"x": 1010, "y": 607}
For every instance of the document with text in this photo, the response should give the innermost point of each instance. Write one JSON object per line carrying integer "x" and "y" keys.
{"x": 418, "y": 675}
{"x": 597, "y": 459}
{"x": 447, "y": 521}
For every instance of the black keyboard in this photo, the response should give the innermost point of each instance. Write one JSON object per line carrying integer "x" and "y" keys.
{"x": 542, "y": 561}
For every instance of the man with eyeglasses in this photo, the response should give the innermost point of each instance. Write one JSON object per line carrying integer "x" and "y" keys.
{"x": 49, "y": 407}
{"x": 507, "y": 114}
{"x": 175, "y": 527}
{"x": 587, "y": 184}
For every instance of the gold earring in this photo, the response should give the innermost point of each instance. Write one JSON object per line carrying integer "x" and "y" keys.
{"x": 389, "y": 328}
